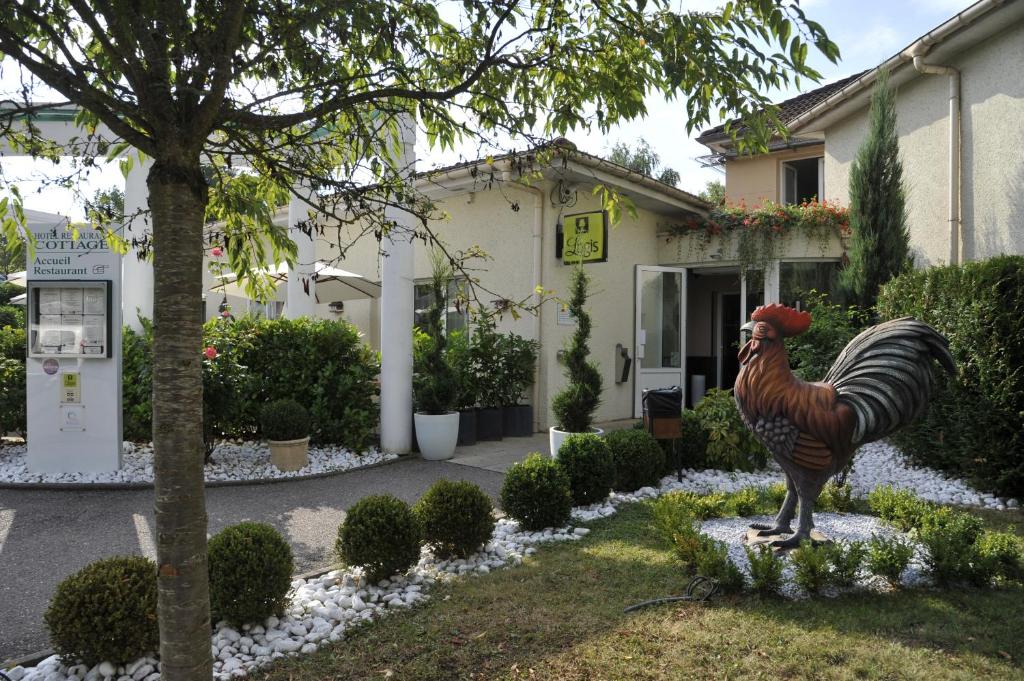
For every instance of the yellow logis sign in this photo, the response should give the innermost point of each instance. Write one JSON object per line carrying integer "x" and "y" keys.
{"x": 585, "y": 237}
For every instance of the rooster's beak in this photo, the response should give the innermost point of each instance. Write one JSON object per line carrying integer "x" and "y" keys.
{"x": 748, "y": 327}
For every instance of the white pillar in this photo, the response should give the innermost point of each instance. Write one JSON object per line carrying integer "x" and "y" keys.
{"x": 301, "y": 300}
{"x": 136, "y": 274}
{"x": 396, "y": 314}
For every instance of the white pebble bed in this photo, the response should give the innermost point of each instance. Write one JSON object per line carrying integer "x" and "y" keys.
{"x": 322, "y": 608}
{"x": 232, "y": 461}
{"x": 839, "y": 527}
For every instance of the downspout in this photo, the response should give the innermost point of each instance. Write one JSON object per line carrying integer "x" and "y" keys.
{"x": 538, "y": 278}
{"x": 918, "y": 50}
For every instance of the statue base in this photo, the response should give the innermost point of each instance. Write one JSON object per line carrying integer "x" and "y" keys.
{"x": 817, "y": 538}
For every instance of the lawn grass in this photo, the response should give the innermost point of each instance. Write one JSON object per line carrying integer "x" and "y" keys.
{"x": 559, "y": 616}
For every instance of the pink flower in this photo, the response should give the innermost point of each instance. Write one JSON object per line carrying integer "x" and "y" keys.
{"x": 210, "y": 352}
{"x": 225, "y": 313}
{"x": 216, "y": 251}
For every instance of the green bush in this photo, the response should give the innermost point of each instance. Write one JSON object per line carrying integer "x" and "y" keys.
{"x": 900, "y": 507}
{"x": 457, "y": 518}
{"x": 321, "y": 364}
{"x": 8, "y": 291}
{"x": 773, "y": 495}
{"x": 105, "y": 612}
{"x": 518, "y": 361}
{"x": 744, "y": 502}
{"x": 12, "y": 396}
{"x": 1003, "y": 554}
{"x": 713, "y": 562}
{"x": 460, "y": 359}
{"x": 381, "y": 534}
{"x": 678, "y": 526}
{"x": 12, "y": 343}
{"x": 589, "y": 465}
{"x": 434, "y": 384}
{"x": 638, "y": 459}
{"x": 810, "y": 566}
{"x": 812, "y": 353}
{"x": 575, "y": 404}
{"x": 974, "y": 426}
{"x": 731, "y": 446}
{"x": 692, "y": 446}
{"x": 845, "y": 561}
{"x": 835, "y": 497}
{"x": 536, "y": 492}
{"x": 888, "y": 558}
{"x": 699, "y": 506}
{"x": 282, "y": 420}
{"x": 250, "y": 573}
{"x": 13, "y": 316}
{"x": 765, "y": 569}
{"x": 952, "y": 554}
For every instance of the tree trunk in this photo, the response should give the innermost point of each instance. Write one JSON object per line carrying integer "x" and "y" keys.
{"x": 177, "y": 200}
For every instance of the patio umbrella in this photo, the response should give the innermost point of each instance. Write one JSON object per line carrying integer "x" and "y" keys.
{"x": 18, "y": 279}
{"x": 332, "y": 284}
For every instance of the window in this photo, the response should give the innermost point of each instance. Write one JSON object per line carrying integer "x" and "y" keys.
{"x": 802, "y": 180}
{"x": 456, "y": 318}
{"x": 268, "y": 310}
{"x": 797, "y": 278}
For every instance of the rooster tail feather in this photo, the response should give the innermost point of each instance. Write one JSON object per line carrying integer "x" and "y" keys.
{"x": 885, "y": 375}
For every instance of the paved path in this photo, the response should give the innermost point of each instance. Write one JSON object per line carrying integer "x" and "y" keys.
{"x": 47, "y": 535}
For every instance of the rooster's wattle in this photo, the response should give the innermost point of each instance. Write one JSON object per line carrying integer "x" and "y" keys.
{"x": 880, "y": 382}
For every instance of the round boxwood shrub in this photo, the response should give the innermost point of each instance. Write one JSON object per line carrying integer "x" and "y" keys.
{"x": 381, "y": 534}
{"x": 536, "y": 492}
{"x": 250, "y": 573}
{"x": 105, "y": 612}
{"x": 456, "y": 517}
{"x": 588, "y": 463}
{"x": 284, "y": 420}
{"x": 638, "y": 459}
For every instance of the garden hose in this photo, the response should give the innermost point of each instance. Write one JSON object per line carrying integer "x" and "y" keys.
{"x": 699, "y": 589}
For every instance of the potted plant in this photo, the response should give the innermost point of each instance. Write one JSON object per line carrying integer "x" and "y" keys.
{"x": 486, "y": 352}
{"x": 434, "y": 386}
{"x": 460, "y": 360}
{"x": 518, "y": 362}
{"x": 286, "y": 425}
{"x": 574, "y": 405}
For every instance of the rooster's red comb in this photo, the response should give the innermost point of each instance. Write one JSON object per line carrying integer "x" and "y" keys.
{"x": 788, "y": 321}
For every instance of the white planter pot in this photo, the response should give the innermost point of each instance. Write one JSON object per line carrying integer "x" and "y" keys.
{"x": 557, "y": 437}
{"x": 289, "y": 455}
{"x": 437, "y": 434}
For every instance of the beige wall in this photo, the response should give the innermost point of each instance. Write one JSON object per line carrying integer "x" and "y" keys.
{"x": 690, "y": 250}
{"x": 992, "y": 157}
{"x": 754, "y": 179}
{"x": 487, "y": 219}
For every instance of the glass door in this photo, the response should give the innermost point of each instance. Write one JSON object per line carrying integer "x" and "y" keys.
{"x": 660, "y": 343}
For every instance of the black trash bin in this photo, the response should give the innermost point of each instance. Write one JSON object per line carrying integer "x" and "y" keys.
{"x": 663, "y": 418}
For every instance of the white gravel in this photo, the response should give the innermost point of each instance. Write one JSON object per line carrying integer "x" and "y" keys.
{"x": 231, "y": 461}
{"x": 323, "y": 608}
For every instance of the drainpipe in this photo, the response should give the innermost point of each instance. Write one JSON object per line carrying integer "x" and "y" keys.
{"x": 918, "y": 50}
{"x": 538, "y": 278}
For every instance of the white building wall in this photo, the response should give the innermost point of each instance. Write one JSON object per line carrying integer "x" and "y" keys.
{"x": 992, "y": 160}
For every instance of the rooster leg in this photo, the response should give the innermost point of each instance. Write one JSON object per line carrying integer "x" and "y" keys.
{"x": 804, "y": 527}
{"x": 785, "y": 518}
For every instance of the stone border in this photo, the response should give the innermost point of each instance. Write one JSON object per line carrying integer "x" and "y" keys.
{"x": 111, "y": 486}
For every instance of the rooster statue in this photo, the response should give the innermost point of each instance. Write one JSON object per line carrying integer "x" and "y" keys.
{"x": 880, "y": 382}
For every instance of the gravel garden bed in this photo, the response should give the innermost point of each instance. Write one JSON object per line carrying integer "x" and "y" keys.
{"x": 232, "y": 461}
{"x": 322, "y": 608}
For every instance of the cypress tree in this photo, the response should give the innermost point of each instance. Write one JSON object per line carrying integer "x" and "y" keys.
{"x": 880, "y": 246}
{"x": 575, "y": 405}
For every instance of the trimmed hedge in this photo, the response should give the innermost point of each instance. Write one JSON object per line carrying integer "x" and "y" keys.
{"x": 588, "y": 463}
{"x": 457, "y": 518}
{"x": 536, "y": 492}
{"x": 321, "y": 364}
{"x": 974, "y": 427}
{"x": 12, "y": 396}
{"x": 250, "y": 568}
{"x": 105, "y": 612}
{"x": 382, "y": 535}
{"x": 638, "y": 459}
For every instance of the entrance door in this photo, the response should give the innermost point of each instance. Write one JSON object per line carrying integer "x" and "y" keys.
{"x": 660, "y": 330}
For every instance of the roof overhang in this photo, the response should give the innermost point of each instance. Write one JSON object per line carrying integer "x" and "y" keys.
{"x": 968, "y": 28}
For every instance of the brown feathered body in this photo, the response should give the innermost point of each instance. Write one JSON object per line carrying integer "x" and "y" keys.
{"x": 880, "y": 382}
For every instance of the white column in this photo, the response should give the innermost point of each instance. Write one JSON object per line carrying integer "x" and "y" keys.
{"x": 396, "y": 314}
{"x": 299, "y": 302}
{"x": 136, "y": 274}
{"x": 771, "y": 282}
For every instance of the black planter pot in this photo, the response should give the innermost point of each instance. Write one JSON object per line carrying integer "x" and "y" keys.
{"x": 467, "y": 427}
{"x": 488, "y": 423}
{"x": 517, "y": 421}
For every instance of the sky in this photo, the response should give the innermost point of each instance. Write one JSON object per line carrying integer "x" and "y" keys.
{"x": 867, "y": 32}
